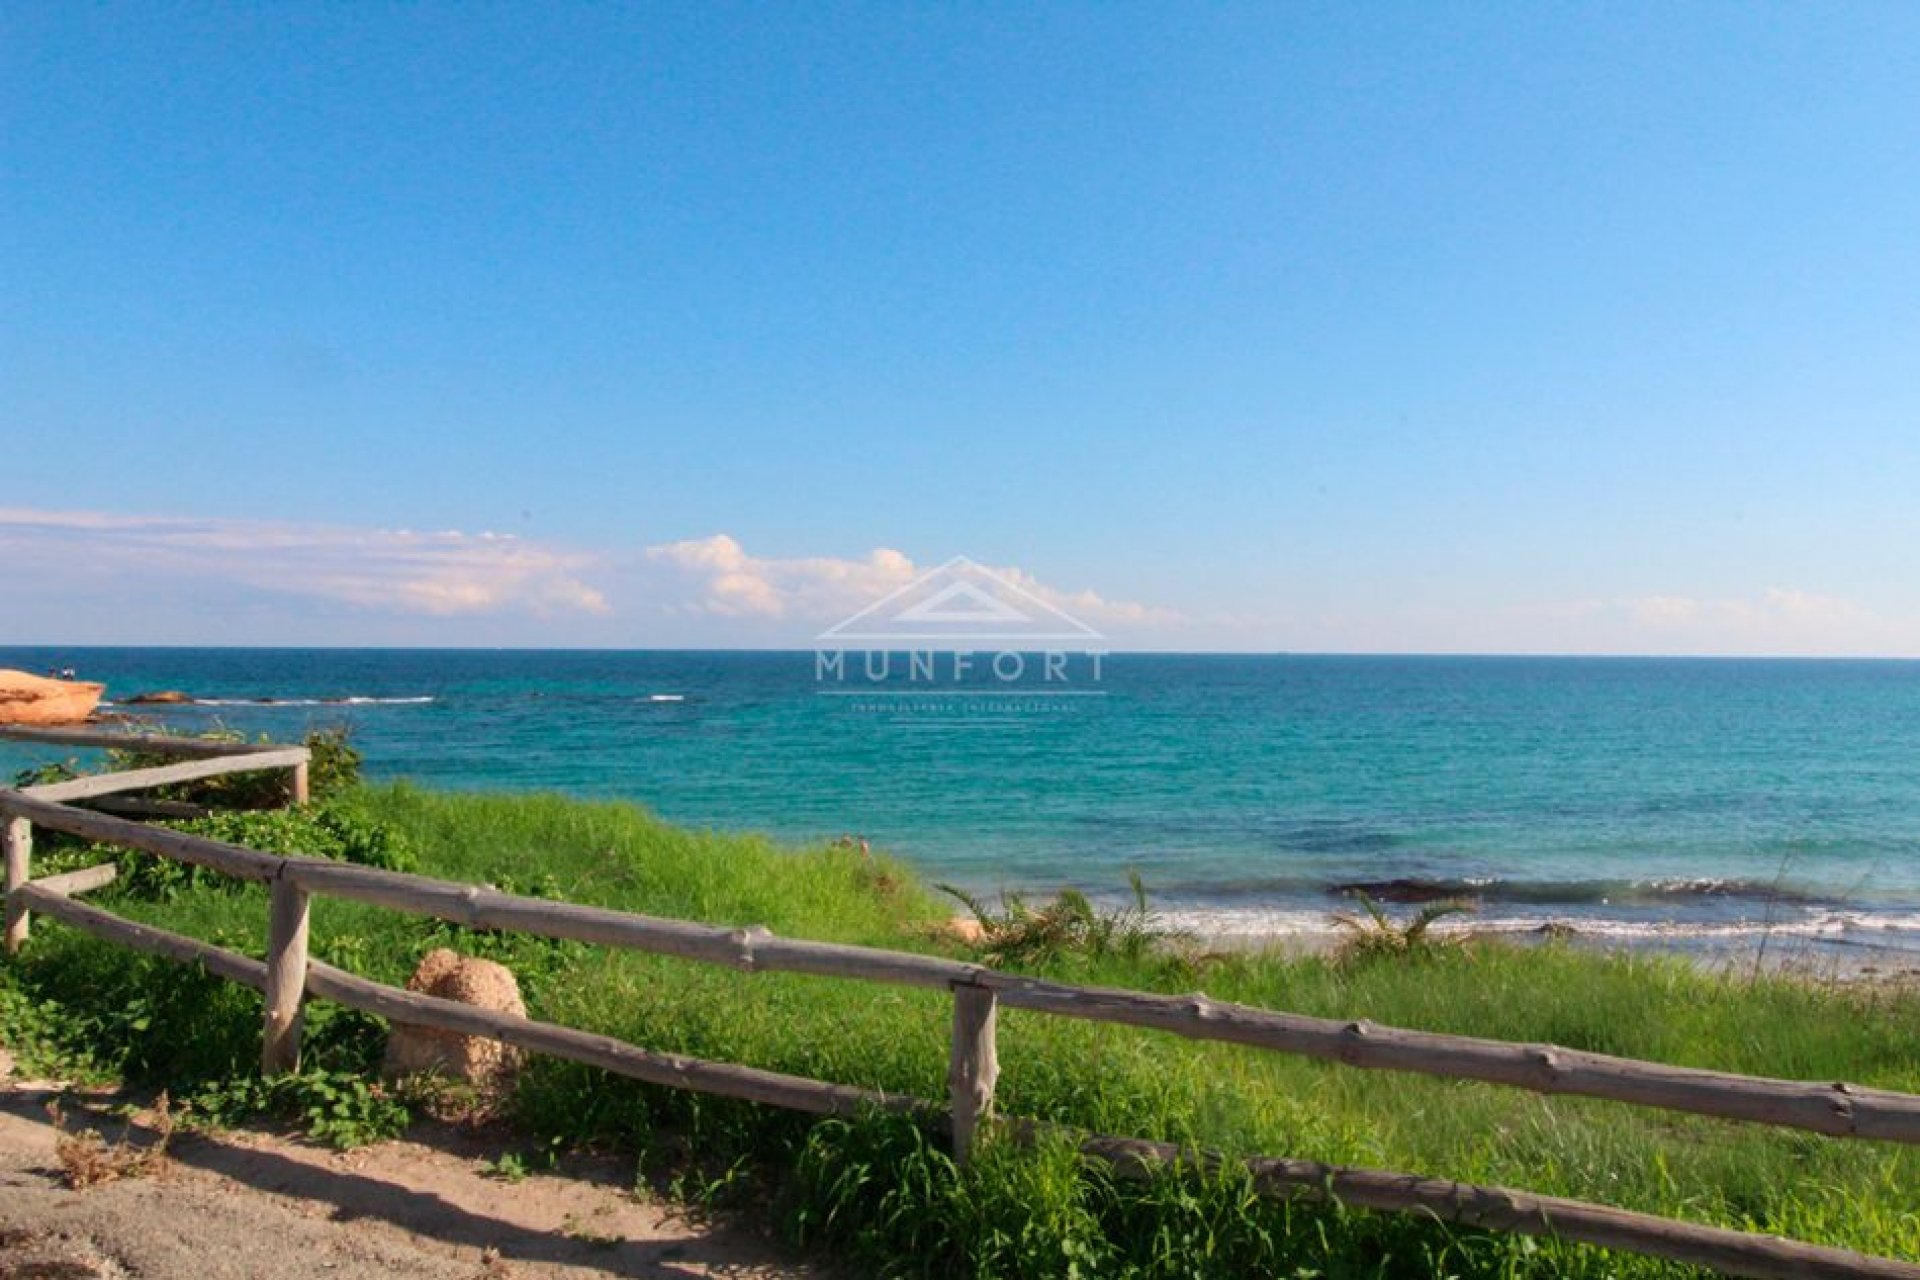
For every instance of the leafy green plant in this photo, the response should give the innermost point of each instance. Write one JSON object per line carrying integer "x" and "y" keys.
{"x": 53, "y": 771}
{"x": 1376, "y": 934}
{"x": 339, "y": 1108}
{"x": 346, "y": 1110}
{"x": 874, "y": 1187}
{"x": 1070, "y": 925}
{"x": 333, "y": 768}
{"x": 155, "y": 1022}
{"x": 321, "y": 831}
{"x": 510, "y": 1166}
{"x": 327, "y": 830}
{"x": 45, "y": 1036}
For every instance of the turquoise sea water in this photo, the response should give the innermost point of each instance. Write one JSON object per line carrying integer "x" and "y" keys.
{"x": 1674, "y": 799}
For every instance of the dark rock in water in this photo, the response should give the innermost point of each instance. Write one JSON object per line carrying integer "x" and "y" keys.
{"x": 160, "y": 697}
{"x": 1402, "y": 890}
{"x": 1556, "y": 929}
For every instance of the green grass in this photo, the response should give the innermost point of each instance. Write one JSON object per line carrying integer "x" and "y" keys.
{"x": 881, "y": 1192}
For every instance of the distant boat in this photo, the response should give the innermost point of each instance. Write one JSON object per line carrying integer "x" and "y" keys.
{"x": 31, "y": 699}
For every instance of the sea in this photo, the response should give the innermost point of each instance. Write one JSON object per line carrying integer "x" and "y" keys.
{"x": 1711, "y": 805}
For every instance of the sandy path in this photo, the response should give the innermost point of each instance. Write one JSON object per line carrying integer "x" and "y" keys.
{"x": 250, "y": 1204}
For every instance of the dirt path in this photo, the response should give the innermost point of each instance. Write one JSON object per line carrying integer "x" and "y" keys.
{"x": 249, "y": 1204}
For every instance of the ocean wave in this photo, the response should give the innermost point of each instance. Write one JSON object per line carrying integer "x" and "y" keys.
{"x": 1725, "y": 892}
{"x": 1891, "y": 930}
{"x": 1658, "y": 892}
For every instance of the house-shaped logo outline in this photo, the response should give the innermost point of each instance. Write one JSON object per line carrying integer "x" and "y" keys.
{"x": 937, "y": 611}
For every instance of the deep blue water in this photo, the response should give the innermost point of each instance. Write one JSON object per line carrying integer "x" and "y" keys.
{"x": 1638, "y": 798}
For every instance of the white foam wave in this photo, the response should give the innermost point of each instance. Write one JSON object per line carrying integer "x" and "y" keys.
{"x": 666, "y": 697}
{"x": 1828, "y": 926}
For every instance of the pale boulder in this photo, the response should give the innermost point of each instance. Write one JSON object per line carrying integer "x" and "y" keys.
{"x": 447, "y": 975}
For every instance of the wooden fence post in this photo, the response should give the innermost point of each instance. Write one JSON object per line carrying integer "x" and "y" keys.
{"x": 301, "y": 786}
{"x": 17, "y": 835}
{"x": 974, "y": 1067}
{"x": 286, "y": 976}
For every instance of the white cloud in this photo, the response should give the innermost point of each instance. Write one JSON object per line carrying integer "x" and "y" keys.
{"x": 1804, "y": 606}
{"x": 92, "y": 576}
{"x": 1772, "y": 610}
{"x": 723, "y": 579}
{"x": 443, "y": 574}
{"x": 726, "y": 580}
{"x": 100, "y": 577}
{"x": 1089, "y": 606}
{"x": 1781, "y": 620}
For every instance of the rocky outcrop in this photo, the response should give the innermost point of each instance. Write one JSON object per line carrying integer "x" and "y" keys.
{"x": 36, "y": 700}
{"x": 448, "y": 975}
{"x": 159, "y": 697}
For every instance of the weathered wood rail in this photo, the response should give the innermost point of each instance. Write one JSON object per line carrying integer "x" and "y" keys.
{"x": 289, "y": 976}
{"x": 201, "y": 758}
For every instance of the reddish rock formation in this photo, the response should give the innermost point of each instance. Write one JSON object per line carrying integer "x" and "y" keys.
{"x": 30, "y": 699}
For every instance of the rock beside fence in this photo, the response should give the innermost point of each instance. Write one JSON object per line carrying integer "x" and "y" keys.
{"x": 448, "y": 975}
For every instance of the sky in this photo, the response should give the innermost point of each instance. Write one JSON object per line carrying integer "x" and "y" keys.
{"x": 1438, "y": 327}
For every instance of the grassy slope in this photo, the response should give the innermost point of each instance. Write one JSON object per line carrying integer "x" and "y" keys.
{"x": 879, "y": 1191}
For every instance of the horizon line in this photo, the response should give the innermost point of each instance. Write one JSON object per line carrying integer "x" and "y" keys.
{"x": 1694, "y": 656}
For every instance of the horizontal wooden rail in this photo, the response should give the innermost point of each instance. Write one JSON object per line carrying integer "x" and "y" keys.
{"x": 1739, "y": 1253}
{"x": 231, "y": 859}
{"x": 106, "y": 784}
{"x": 230, "y": 965}
{"x": 160, "y": 743}
{"x": 74, "y": 883}
{"x": 750, "y": 1084}
{"x": 147, "y": 807}
{"x": 1494, "y": 1208}
{"x": 1839, "y": 1110}
{"x": 1835, "y": 1109}
{"x": 752, "y": 948}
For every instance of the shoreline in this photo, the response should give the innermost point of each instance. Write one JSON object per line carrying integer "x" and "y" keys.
{"x": 1711, "y": 914}
{"x": 1687, "y": 806}
{"x": 1814, "y": 936}
{"x": 1743, "y": 954}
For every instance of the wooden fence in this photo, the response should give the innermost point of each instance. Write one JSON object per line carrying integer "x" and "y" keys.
{"x": 288, "y": 976}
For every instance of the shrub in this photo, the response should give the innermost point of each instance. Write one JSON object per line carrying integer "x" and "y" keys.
{"x": 342, "y": 1109}
{"x": 1377, "y": 934}
{"x": 1070, "y": 925}
{"x": 320, "y": 831}
{"x": 333, "y": 769}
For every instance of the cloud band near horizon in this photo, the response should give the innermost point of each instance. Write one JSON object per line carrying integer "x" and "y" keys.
{"x": 89, "y": 577}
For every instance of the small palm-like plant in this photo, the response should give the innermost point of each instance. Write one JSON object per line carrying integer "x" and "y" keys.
{"x": 1022, "y": 933}
{"x": 1378, "y": 934}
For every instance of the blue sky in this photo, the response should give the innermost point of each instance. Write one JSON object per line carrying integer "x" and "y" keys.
{"x": 1436, "y": 327}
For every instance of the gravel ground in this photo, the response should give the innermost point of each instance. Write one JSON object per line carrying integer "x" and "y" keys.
{"x": 249, "y": 1204}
